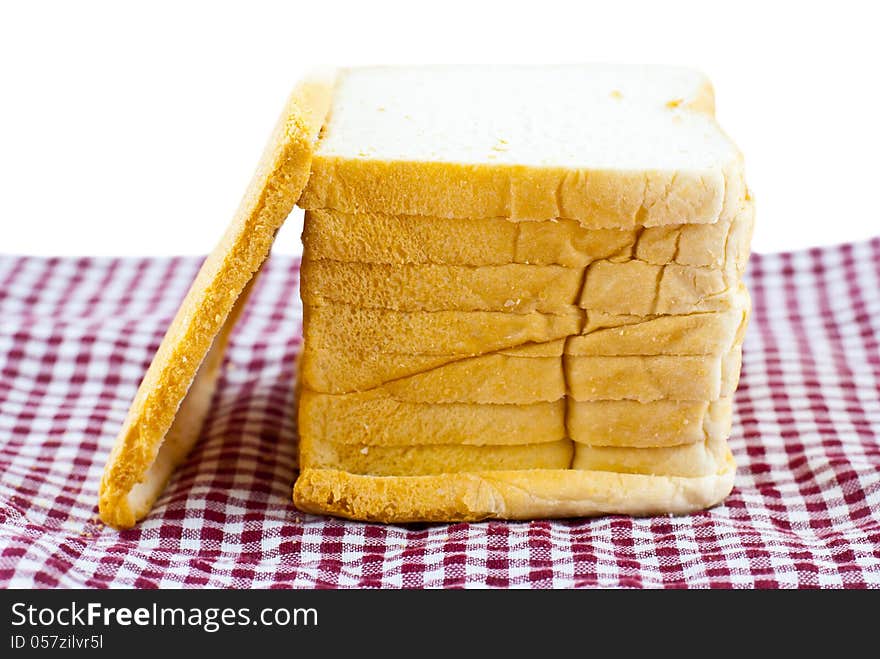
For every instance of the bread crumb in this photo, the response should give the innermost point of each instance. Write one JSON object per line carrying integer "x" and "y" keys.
{"x": 616, "y": 93}
{"x": 674, "y": 103}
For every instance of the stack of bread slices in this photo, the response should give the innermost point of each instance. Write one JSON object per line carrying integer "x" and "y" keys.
{"x": 522, "y": 295}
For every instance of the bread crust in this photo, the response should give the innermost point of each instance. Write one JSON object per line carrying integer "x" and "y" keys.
{"x": 371, "y": 237}
{"x": 436, "y": 458}
{"x": 371, "y": 419}
{"x": 355, "y": 369}
{"x": 649, "y": 378}
{"x": 512, "y": 288}
{"x": 128, "y": 488}
{"x": 628, "y": 423}
{"x": 336, "y": 327}
{"x": 595, "y": 198}
{"x": 495, "y": 378}
{"x": 525, "y": 494}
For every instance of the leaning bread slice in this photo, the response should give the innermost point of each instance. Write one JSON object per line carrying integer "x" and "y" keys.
{"x": 651, "y": 378}
{"x": 339, "y": 372}
{"x": 137, "y": 468}
{"x": 517, "y": 494}
{"x": 629, "y": 423}
{"x": 513, "y": 287}
{"x": 434, "y": 459}
{"x": 513, "y": 142}
{"x": 373, "y": 419}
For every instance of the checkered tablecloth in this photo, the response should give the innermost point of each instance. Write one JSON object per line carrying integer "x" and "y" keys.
{"x": 76, "y": 336}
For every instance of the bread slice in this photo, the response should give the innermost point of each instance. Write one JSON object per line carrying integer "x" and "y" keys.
{"x": 518, "y": 288}
{"x": 434, "y": 459}
{"x": 333, "y": 328}
{"x": 628, "y": 423}
{"x": 484, "y": 142}
{"x": 688, "y": 460}
{"x": 368, "y": 237}
{"x": 502, "y": 372}
{"x": 526, "y": 374}
{"x": 652, "y": 378}
{"x": 707, "y": 245}
{"x": 706, "y": 333}
{"x": 513, "y": 288}
{"x": 496, "y": 378}
{"x": 643, "y": 289}
{"x": 373, "y": 419}
{"x": 140, "y": 463}
{"x": 341, "y": 372}
{"x": 517, "y": 494}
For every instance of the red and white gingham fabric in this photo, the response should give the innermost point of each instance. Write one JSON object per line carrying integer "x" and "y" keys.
{"x": 77, "y": 334}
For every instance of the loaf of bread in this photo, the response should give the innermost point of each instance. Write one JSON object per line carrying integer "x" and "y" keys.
{"x": 522, "y": 297}
{"x": 522, "y": 293}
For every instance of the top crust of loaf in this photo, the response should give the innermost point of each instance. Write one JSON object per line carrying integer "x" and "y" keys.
{"x": 609, "y": 146}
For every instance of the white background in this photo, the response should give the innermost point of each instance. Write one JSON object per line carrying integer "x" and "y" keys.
{"x": 133, "y": 129}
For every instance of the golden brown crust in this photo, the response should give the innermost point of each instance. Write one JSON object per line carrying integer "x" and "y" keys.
{"x": 597, "y": 199}
{"x": 372, "y": 418}
{"x": 649, "y": 378}
{"x": 687, "y": 460}
{"x": 706, "y": 333}
{"x": 279, "y": 179}
{"x": 435, "y": 458}
{"x": 512, "y": 288}
{"x": 628, "y": 423}
{"x": 369, "y": 237}
{"x": 525, "y": 494}
{"x": 495, "y": 378}
{"x": 334, "y": 327}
